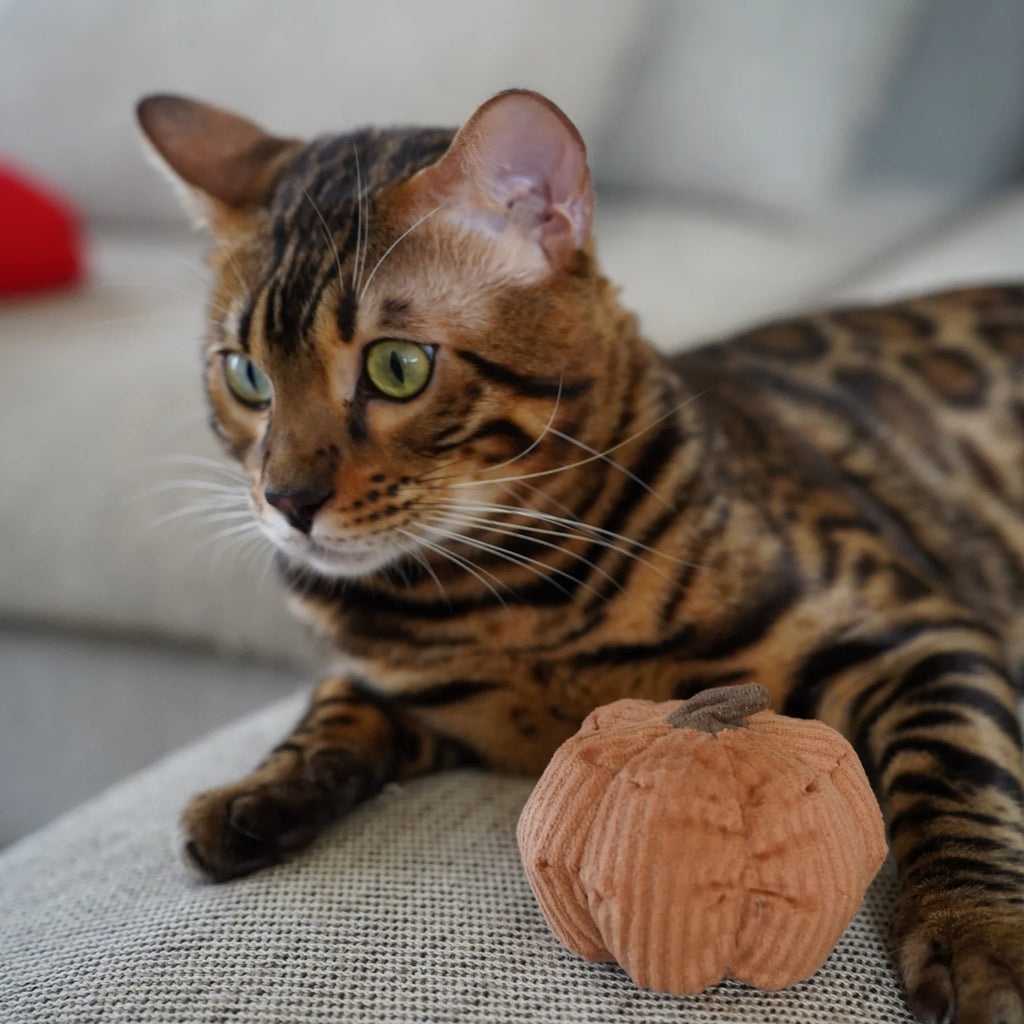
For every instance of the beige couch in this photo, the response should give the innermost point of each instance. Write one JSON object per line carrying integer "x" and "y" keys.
{"x": 750, "y": 159}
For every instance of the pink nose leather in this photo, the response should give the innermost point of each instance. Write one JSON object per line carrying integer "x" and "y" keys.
{"x": 299, "y": 507}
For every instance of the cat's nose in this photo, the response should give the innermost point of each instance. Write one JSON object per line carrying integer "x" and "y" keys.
{"x": 300, "y": 506}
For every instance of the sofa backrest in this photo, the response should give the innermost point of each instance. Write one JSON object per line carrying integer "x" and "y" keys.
{"x": 70, "y": 73}
{"x": 780, "y": 105}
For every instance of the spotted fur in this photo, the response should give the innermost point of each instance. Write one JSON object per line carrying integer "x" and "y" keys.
{"x": 832, "y": 506}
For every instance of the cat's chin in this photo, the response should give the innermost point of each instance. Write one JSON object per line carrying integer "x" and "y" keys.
{"x": 340, "y": 561}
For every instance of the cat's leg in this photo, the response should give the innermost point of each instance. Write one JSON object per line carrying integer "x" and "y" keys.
{"x": 348, "y": 745}
{"x": 930, "y": 707}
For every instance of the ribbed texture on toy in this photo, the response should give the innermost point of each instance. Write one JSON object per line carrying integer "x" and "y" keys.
{"x": 688, "y": 855}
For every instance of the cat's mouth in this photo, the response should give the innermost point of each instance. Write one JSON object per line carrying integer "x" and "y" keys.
{"x": 336, "y": 557}
{"x": 340, "y": 558}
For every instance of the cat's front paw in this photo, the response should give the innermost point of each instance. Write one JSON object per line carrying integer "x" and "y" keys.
{"x": 251, "y": 824}
{"x": 964, "y": 965}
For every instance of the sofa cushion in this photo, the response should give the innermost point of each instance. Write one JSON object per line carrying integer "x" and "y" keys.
{"x": 99, "y": 396}
{"x": 415, "y": 909}
{"x": 980, "y": 249}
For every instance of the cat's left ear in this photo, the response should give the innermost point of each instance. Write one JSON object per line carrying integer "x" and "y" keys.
{"x": 224, "y": 167}
{"x": 517, "y": 173}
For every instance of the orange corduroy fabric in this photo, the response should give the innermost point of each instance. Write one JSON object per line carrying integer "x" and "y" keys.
{"x": 688, "y": 856}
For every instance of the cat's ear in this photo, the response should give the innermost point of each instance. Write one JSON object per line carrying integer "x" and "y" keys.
{"x": 224, "y": 167}
{"x": 517, "y": 173}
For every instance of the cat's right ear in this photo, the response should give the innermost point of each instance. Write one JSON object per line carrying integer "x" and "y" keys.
{"x": 516, "y": 173}
{"x": 223, "y": 166}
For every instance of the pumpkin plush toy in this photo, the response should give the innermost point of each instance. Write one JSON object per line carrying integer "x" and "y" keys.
{"x": 697, "y": 840}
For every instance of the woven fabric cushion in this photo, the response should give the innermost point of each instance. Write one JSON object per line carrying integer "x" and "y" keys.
{"x": 413, "y": 910}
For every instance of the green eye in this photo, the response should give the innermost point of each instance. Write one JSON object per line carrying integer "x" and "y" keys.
{"x": 248, "y": 383}
{"x": 399, "y": 369}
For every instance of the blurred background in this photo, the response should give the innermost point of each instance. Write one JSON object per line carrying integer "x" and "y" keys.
{"x": 751, "y": 159}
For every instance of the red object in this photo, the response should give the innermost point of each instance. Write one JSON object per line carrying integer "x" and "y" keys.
{"x": 40, "y": 243}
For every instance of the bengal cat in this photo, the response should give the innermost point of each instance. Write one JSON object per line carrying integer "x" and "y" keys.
{"x": 503, "y": 507}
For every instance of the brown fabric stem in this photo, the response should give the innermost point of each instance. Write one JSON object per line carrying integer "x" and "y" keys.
{"x": 724, "y": 707}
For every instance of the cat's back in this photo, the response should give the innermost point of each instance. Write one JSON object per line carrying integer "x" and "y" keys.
{"x": 934, "y": 373}
{"x": 918, "y": 403}
{"x": 944, "y": 349}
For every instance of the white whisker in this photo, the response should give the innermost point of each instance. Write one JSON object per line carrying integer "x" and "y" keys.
{"x": 170, "y": 486}
{"x": 329, "y": 237}
{"x": 425, "y": 562}
{"x": 242, "y": 547}
{"x": 390, "y": 248}
{"x": 593, "y": 457}
{"x": 198, "y": 271}
{"x": 239, "y": 300}
{"x": 250, "y": 529}
{"x": 253, "y": 561}
{"x": 550, "y": 498}
{"x": 207, "y": 515}
{"x": 362, "y": 227}
{"x": 432, "y": 476}
{"x": 184, "y": 459}
{"x": 603, "y": 456}
{"x": 522, "y": 530}
{"x": 524, "y": 561}
{"x": 533, "y": 534}
{"x": 418, "y": 538}
{"x": 569, "y": 523}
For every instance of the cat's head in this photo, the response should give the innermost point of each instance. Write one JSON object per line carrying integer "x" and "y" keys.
{"x": 401, "y": 322}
